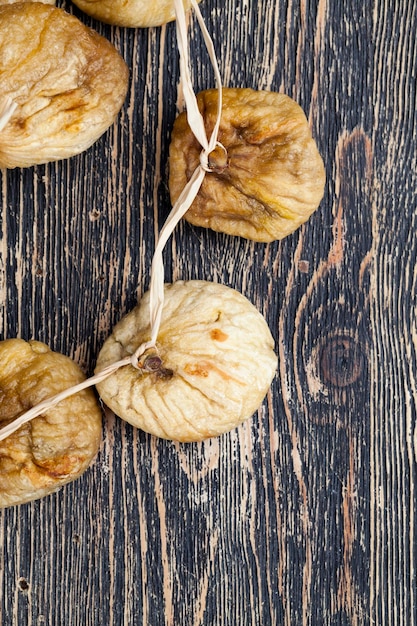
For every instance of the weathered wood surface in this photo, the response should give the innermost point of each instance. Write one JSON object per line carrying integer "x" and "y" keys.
{"x": 306, "y": 514}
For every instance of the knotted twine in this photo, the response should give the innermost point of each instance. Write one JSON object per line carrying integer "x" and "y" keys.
{"x": 156, "y": 287}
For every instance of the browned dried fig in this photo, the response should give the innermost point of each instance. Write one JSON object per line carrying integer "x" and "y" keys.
{"x": 266, "y": 180}
{"x": 67, "y": 81}
{"x": 131, "y": 13}
{"x": 212, "y": 368}
{"x": 56, "y": 447}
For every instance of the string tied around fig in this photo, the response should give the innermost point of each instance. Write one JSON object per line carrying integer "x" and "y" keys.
{"x": 209, "y": 147}
{"x": 190, "y": 191}
{"x": 7, "y": 108}
{"x": 215, "y": 161}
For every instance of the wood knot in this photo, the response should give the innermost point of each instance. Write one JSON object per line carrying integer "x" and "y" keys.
{"x": 341, "y": 361}
{"x": 23, "y": 584}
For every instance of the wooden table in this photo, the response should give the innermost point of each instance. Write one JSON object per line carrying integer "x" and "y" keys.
{"x": 305, "y": 515}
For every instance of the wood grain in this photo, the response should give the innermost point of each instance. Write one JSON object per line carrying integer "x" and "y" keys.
{"x": 305, "y": 515}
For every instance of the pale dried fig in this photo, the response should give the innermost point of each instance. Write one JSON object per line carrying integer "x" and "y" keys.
{"x": 67, "y": 81}
{"x": 212, "y": 368}
{"x": 56, "y": 447}
{"x": 131, "y": 13}
{"x": 266, "y": 180}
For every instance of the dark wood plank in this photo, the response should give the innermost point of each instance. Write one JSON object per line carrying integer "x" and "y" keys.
{"x": 305, "y": 514}
{"x": 393, "y": 424}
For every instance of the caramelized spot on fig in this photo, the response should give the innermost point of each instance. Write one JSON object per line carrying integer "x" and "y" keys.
{"x": 59, "y": 467}
{"x": 218, "y": 335}
{"x": 197, "y": 370}
{"x": 204, "y": 368}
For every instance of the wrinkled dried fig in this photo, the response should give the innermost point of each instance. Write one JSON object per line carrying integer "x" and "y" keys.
{"x": 67, "y": 81}
{"x": 266, "y": 179}
{"x": 131, "y": 13}
{"x": 56, "y": 447}
{"x": 212, "y": 368}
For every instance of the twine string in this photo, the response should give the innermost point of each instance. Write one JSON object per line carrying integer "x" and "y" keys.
{"x": 7, "y": 108}
{"x": 190, "y": 191}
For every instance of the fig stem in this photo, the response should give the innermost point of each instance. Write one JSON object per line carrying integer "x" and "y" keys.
{"x": 217, "y": 160}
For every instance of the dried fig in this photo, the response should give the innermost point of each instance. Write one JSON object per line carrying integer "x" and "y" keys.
{"x": 131, "y": 13}
{"x": 67, "y": 81}
{"x": 56, "y": 447}
{"x": 213, "y": 364}
{"x": 267, "y": 176}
